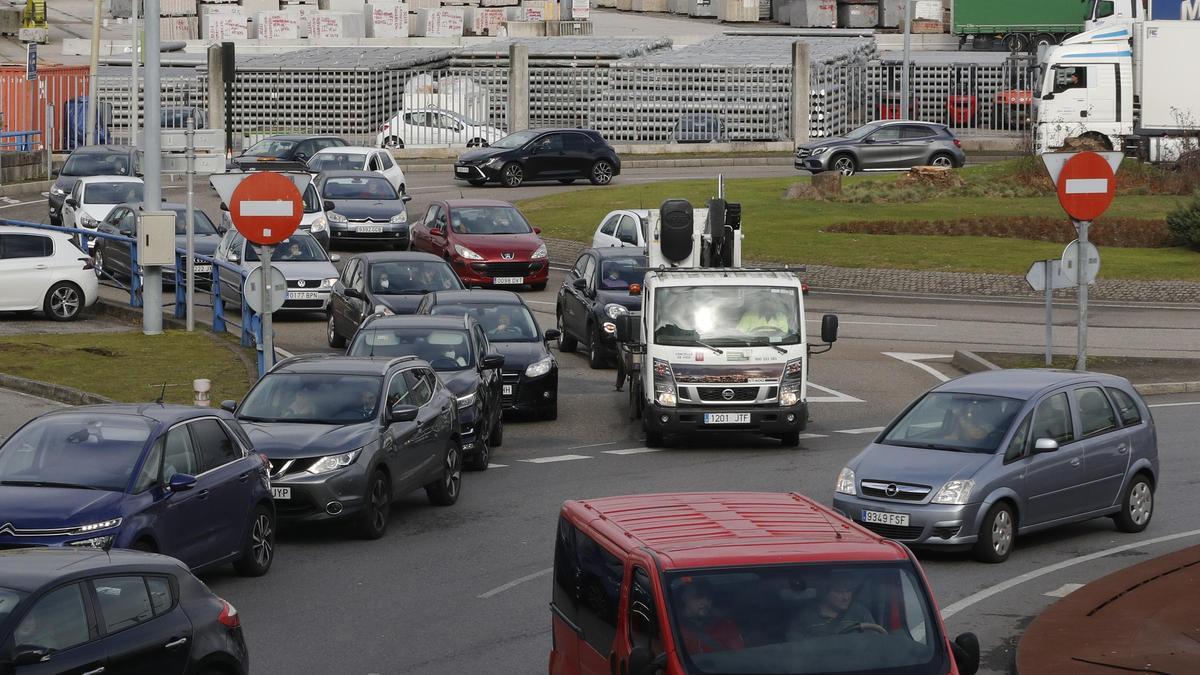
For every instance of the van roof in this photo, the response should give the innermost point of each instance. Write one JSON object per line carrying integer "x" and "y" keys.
{"x": 710, "y": 529}
{"x": 725, "y": 277}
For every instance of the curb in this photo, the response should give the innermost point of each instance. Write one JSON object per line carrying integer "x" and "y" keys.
{"x": 36, "y": 187}
{"x": 971, "y": 362}
{"x": 54, "y": 392}
{"x": 1167, "y": 388}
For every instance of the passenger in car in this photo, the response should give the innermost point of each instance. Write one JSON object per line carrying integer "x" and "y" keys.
{"x": 704, "y": 631}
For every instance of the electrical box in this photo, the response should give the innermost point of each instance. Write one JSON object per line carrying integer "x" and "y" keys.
{"x": 156, "y": 238}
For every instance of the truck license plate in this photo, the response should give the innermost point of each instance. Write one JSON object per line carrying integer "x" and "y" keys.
{"x": 303, "y": 295}
{"x": 898, "y": 519}
{"x": 727, "y": 418}
{"x": 506, "y": 390}
{"x": 508, "y": 281}
{"x": 369, "y": 229}
{"x": 281, "y": 493}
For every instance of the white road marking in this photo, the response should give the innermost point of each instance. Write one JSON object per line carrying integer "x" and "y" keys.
{"x": 881, "y": 323}
{"x": 1173, "y": 405}
{"x": 514, "y": 583}
{"x": 1064, "y": 590}
{"x": 254, "y": 207}
{"x": 556, "y": 458}
{"x": 864, "y": 430}
{"x": 13, "y": 206}
{"x": 834, "y": 396}
{"x": 804, "y": 437}
{"x": 592, "y": 445}
{"x": 632, "y": 451}
{"x": 9, "y": 200}
{"x": 916, "y": 359}
{"x": 496, "y": 466}
{"x": 975, "y": 598}
{"x": 1087, "y": 186}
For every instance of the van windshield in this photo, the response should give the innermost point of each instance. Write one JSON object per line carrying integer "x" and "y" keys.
{"x": 874, "y": 619}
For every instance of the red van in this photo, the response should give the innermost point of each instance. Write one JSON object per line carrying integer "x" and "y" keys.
{"x": 739, "y": 583}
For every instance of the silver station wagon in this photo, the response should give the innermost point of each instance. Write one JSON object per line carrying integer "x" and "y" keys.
{"x": 978, "y": 460}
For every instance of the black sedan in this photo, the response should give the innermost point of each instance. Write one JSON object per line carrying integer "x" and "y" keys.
{"x": 363, "y": 206}
{"x": 383, "y": 283}
{"x": 564, "y": 155}
{"x": 594, "y": 293}
{"x": 283, "y": 153}
{"x": 112, "y": 257}
{"x": 530, "y": 372}
{"x": 82, "y": 610}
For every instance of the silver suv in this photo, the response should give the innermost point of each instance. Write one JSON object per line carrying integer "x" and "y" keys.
{"x": 891, "y": 144}
{"x": 981, "y": 459}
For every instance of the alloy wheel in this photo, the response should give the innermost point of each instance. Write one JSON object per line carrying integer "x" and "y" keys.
{"x": 602, "y": 173}
{"x": 379, "y": 504}
{"x": 98, "y": 264}
{"x": 513, "y": 175}
{"x": 261, "y": 540}
{"x": 844, "y": 166}
{"x": 64, "y": 302}
{"x": 1002, "y": 533}
{"x": 453, "y": 471}
{"x": 943, "y": 162}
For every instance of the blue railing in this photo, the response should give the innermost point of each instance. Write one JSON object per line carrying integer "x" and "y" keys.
{"x": 21, "y": 141}
{"x": 251, "y": 322}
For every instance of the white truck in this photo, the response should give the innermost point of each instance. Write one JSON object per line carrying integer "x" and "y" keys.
{"x": 1127, "y": 86}
{"x": 716, "y": 346}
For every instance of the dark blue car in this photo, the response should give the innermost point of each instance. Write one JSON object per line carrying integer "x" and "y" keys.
{"x": 177, "y": 480}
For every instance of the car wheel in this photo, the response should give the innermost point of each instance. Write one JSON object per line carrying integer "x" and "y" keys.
{"x": 551, "y": 411}
{"x": 512, "y": 175}
{"x": 566, "y": 181}
{"x": 56, "y": 221}
{"x": 444, "y": 491}
{"x": 98, "y": 263}
{"x": 393, "y": 143}
{"x": 1137, "y": 507}
{"x": 63, "y": 302}
{"x": 539, "y": 287}
{"x": 790, "y": 439}
{"x": 480, "y": 459}
{"x": 477, "y": 143}
{"x": 336, "y": 341}
{"x": 566, "y": 343}
{"x": 377, "y": 506}
{"x": 496, "y": 437}
{"x": 477, "y": 182}
{"x": 602, "y": 173}
{"x": 845, "y": 165}
{"x": 258, "y": 551}
{"x": 996, "y": 535}
{"x": 942, "y": 160}
{"x": 595, "y": 350}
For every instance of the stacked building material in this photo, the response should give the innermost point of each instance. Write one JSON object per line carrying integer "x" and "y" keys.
{"x": 331, "y": 25}
{"x": 441, "y": 22}
{"x": 386, "y": 19}
{"x": 576, "y": 10}
{"x": 223, "y": 23}
{"x": 483, "y": 20}
{"x": 858, "y": 13}
{"x": 280, "y": 25}
{"x": 178, "y": 27}
{"x": 811, "y": 13}
{"x": 737, "y": 11}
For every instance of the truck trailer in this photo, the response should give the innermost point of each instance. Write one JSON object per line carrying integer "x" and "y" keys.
{"x": 1026, "y": 25}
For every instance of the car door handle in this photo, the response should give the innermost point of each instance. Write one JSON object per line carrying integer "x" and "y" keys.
{"x": 244, "y": 477}
{"x": 95, "y": 672}
{"x": 203, "y": 494}
{"x": 1122, "y": 449}
{"x": 1075, "y": 462}
{"x": 177, "y": 642}
{"x": 41, "y": 266}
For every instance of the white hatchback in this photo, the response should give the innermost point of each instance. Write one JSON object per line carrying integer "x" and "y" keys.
{"x": 356, "y": 158}
{"x": 622, "y": 228}
{"x": 436, "y": 127}
{"x": 44, "y": 270}
{"x": 93, "y": 197}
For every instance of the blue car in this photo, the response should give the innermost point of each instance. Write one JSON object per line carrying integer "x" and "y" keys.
{"x": 177, "y": 480}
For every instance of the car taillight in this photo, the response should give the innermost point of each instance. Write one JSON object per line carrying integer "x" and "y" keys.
{"x": 88, "y": 263}
{"x": 229, "y": 616}
{"x": 957, "y": 143}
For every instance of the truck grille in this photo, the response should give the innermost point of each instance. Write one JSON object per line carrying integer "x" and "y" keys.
{"x": 717, "y": 394}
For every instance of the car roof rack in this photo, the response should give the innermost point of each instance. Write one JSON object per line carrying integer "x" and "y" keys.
{"x": 397, "y": 360}
{"x": 302, "y": 357}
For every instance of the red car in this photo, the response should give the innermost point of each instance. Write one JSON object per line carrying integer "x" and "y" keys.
{"x": 487, "y": 242}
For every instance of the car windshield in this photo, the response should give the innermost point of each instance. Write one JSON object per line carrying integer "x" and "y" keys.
{"x": 954, "y": 421}
{"x": 86, "y": 450}
{"x": 488, "y": 220}
{"x": 364, "y": 187}
{"x": 806, "y": 618}
{"x": 295, "y": 249}
{"x": 337, "y": 161}
{"x": 112, "y": 193}
{"x": 9, "y": 599}
{"x": 96, "y": 164}
{"x": 200, "y": 222}
{"x": 313, "y": 398}
{"x": 502, "y": 323}
{"x": 513, "y": 141}
{"x": 444, "y": 349}
{"x": 861, "y": 132}
{"x": 617, "y": 273}
{"x": 270, "y": 147}
{"x": 727, "y": 316}
{"x": 412, "y": 278}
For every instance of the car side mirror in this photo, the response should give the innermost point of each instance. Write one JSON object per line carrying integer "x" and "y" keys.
{"x": 537, "y": 230}
{"x": 406, "y": 198}
{"x": 301, "y": 156}
{"x": 552, "y": 334}
{"x": 233, "y": 257}
{"x": 966, "y": 653}
{"x": 869, "y": 140}
{"x": 1042, "y": 445}
{"x": 403, "y": 413}
{"x": 493, "y": 362}
{"x": 181, "y": 482}
{"x": 354, "y": 293}
{"x": 27, "y": 655}
{"x": 71, "y": 202}
{"x": 1048, "y": 97}
{"x": 229, "y": 405}
{"x": 829, "y": 328}
{"x": 336, "y": 257}
{"x": 224, "y": 206}
{"x": 580, "y": 284}
{"x": 329, "y": 206}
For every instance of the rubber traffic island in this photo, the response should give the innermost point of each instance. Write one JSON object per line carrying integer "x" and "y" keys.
{"x": 1142, "y": 619}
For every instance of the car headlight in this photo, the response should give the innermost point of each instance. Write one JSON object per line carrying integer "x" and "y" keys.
{"x": 818, "y": 151}
{"x": 494, "y": 163}
{"x": 613, "y": 310}
{"x": 466, "y": 401}
{"x": 384, "y": 309}
{"x": 328, "y": 283}
{"x": 319, "y": 225}
{"x": 94, "y": 527}
{"x": 539, "y": 253}
{"x": 95, "y": 542}
{"x": 333, "y": 462}
{"x": 57, "y": 191}
{"x": 88, "y": 221}
{"x": 539, "y": 368}
{"x": 464, "y": 252}
{"x": 335, "y": 217}
{"x": 845, "y": 482}
{"x": 954, "y": 492}
{"x": 400, "y": 218}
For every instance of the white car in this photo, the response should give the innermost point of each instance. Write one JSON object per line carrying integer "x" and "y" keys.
{"x": 45, "y": 270}
{"x": 312, "y": 221}
{"x": 93, "y": 197}
{"x": 435, "y": 127}
{"x": 622, "y": 228}
{"x": 358, "y": 158}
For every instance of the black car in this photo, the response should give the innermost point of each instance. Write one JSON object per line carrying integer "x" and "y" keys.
{"x": 594, "y": 293}
{"x": 92, "y": 160}
{"x": 283, "y": 153}
{"x": 348, "y": 436}
{"x": 111, "y": 258}
{"x": 363, "y": 206}
{"x": 87, "y": 611}
{"x": 458, "y": 349}
{"x": 383, "y": 283}
{"x": 565, "y": 155}
{"x": 530, "y": 373}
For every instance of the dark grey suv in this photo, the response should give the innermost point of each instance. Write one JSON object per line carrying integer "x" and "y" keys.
{"x": 92, "y": 160}
{"x": 891, "y": 144}
{"x": 346, "y": 436}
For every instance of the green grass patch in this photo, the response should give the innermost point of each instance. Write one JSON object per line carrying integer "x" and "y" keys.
{"x": 129, "y": 366}
{"x": 1137, "y": 370}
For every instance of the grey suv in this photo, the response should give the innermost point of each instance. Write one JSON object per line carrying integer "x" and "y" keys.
{"x": 891, "y": 144}
{"x": 981, "y": 459}
{"x": 346, "y": 436}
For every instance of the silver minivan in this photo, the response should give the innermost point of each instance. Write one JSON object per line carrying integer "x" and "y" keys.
{"x": 978, "y": 460}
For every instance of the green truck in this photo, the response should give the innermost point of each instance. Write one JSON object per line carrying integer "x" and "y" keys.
{"x": 1019, "y": 25}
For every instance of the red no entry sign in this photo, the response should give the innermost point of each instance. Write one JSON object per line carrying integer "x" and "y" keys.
{"x": 1086, "y": 186}
{"x": 266, "y": 208}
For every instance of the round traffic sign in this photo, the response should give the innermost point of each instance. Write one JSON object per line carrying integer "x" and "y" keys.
{"x": 252, "y": 290}
{"x": 1086, "y": 186}
{"x": 1070, "y": 263}
{"x": 266, "y": 208}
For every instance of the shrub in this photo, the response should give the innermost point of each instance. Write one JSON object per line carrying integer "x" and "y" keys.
{"x": 1183, "y": 224}
{"x": 1117, "y": 232}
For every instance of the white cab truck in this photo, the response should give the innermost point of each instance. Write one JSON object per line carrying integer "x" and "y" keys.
{"x": 1127, "y": 85}
{"x": 716, "y": 347}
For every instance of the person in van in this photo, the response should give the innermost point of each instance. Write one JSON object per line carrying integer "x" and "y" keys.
{"x": 702, "y": 629}
{"x": 834, "y": 612}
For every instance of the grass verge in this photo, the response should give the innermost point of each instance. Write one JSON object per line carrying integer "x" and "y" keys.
{"x": 129, "y": 366}
{"x": 1136, "y": 370}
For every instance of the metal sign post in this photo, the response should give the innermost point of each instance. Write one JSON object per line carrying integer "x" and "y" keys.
{"x": 1081, "y": 271}
{"x": 190, "y": 224}
{"x": 1047, "y": 275}
{"x": 268, "y": 339}
{"x": 904, "y": 80}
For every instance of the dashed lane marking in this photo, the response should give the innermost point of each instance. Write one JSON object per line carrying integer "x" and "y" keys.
{"x": 496, "y": 466}
{"x": 514, "y": 583}
{"x": 556, "y": 458}
{"x": 805, "y": 437}
{"x": 632, "y": 451}
{"x": 864, "y": 430}
{"x": 592, "y": 445}
{"x": 1174, "y": 405}
{"x": 1064, "y": 590}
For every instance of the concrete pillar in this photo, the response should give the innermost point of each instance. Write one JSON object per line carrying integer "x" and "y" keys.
{"x": 216, "y": 89}
{"x": 518, "y": 88}
{"x": 801, "y": 91}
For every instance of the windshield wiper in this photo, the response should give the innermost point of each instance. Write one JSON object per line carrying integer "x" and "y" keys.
{"x": 766, "y": 342}
{"x": 248, "y": 418}
{"x": 706, "y": 346}
{"x": 929, "y": 446}
{"x": 43, "y": 483}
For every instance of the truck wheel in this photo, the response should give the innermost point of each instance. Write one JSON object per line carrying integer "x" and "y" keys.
{"x": 654, "y": 439}
{"x": 1044, "y": 39}
{"x": 790, "y": 439}
{"x": 1016, "y": 42}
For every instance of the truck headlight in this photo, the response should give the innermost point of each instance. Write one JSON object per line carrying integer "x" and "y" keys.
{"x": 845, "y": 482}
{"x": 954, "y": 492}
{"x": 333, "y": 462}
{"x": 613, "y": 310}
{"x": 539, "y": 368}
{"x": 664, "y": 384}
{"x": 789, "y": 395}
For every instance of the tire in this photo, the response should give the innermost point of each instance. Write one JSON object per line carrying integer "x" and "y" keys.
{"x": 539, "y": 287}
{"x": 943, "y": 160}
{"x": 654, "y": 439}
{"x": 596, "y": 358}
{"x": 258, "y": 551}
{"x": 790, "y": 439}
{"x": 601, "y": 173}
{"x": 996, "y": 535}
{"x": 480, "y": 459}
{"x": 56, "y": 221}
{"x": 336, "y": 341}
{"x": 98, "y": 262}
{"x": 64, "y": 302}
{"x": 444, "y": 491}
{"x": 1044, "y": 39}
{"x": 372, "y": 522}
{"x": 393, "y": 143}
{"x": 495, "y": 438}
{"x": 1137, "y": 506}
{"x": 566, "y": 181}
{"x": 566, "y": 343}
{"x": 512, "y": 175}
{"x": 1016, "y": 42}
{"x": 844, "y": 164}
{"x": 477, "y": 182}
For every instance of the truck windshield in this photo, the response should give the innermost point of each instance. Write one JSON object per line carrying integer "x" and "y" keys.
{"x": 727, "y": 316}
{"x": 872, "y": 619}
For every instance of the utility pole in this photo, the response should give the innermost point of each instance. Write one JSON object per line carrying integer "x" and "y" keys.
{"x": 133, "y": 75}
{"x": 905, "y": 93}
{"x": 1082, "y": 267}
{"x": 190, "y": 224}
{"x": 152, "y": 201}
{"x": 92, "y": 106}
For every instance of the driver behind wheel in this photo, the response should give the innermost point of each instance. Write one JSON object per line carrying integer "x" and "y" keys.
{"x": 834, "y": 612}
{"x": 762, "y": 313}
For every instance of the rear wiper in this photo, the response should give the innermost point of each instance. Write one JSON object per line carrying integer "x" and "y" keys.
{"x": 42, "y": 483}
